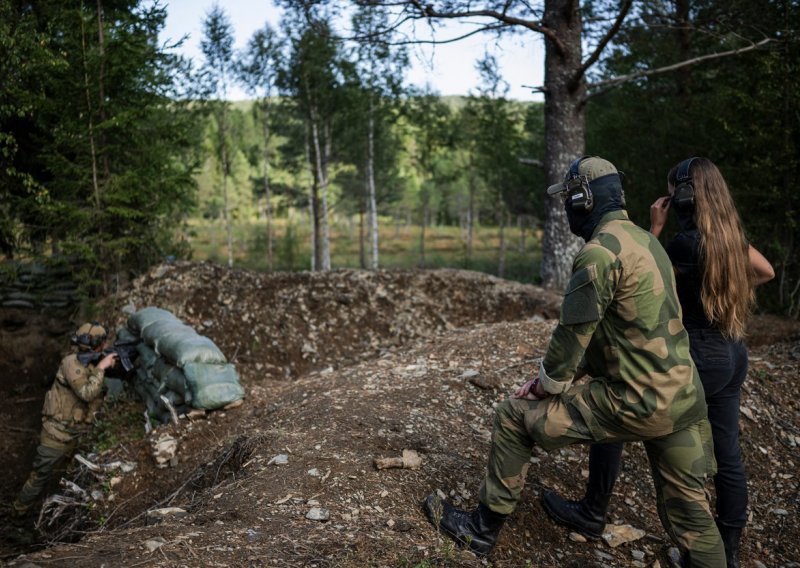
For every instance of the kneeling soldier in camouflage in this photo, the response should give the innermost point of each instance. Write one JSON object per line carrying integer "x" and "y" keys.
{"x": 70, "y": 407}
{"x": 620, "y": 323}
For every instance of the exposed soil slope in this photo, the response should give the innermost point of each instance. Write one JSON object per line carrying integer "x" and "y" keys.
{"x": 346, "y": 367}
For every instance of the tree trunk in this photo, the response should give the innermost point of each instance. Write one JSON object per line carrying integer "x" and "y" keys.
{"x": 564, "y": 130}
{"x": 362, "y": 257}
{"x": 373, "y": 207}
{"x": 322, "y": 177}
{"x": 267, "y": 196}
{"x": 89, "y": 113}
{"x": 312, "y": 204}
{"x": 227, "y": 211}
{"x": 422, "y": 234}
{"x": 470, "y": 213}
{"x": 320, "y": 209}
{"x": 101, "y": 45}
{"x": 501, "y": 260}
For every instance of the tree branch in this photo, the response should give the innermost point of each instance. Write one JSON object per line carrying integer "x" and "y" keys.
{"x": 607, "y": 84}
{"x": 598, "y": 50}
{"x": 430, "y": 12}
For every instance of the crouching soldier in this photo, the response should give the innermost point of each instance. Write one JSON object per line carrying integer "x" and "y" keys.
{"x": 70, "y": 408}
{"x": 620, "y": 317}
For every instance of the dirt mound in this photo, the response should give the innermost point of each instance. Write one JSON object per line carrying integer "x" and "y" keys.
{"x": 289, "y": 323}
{"x": 431, "y": 353}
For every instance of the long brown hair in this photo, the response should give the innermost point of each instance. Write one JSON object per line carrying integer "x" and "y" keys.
{"x": 728, "y": 290}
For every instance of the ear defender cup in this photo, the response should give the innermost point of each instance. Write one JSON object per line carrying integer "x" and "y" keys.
{"x": 579, "y": 195}
{"x": 86, "y": 338}
{"x": 683, "y": 197}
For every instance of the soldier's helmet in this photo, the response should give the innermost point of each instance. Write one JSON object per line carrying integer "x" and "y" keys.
{"x": 89, "y": 336}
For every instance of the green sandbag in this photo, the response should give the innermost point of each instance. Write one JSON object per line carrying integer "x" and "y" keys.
{"x": 213, "y": 386}
{"x": 170, "y": 376}
{"x": 126, "y": 335}
{"x": 147, "y": 357}
{"x": 144, "y": 317}
{"x": 160, "y": 329}
{"x": 182, "y": 349}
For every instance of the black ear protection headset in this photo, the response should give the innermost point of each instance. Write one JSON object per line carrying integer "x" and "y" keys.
{"x": 578, "y": 193}
{"x": 87, "y": 339}
{"x": 683, "y": 196}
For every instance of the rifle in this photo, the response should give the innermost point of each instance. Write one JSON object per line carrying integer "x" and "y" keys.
{"x": 126, "y": 352}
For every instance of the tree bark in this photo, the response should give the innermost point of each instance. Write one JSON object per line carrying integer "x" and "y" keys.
{"x": 564, "y": 131}
{"x": 312, "y": 203}
{"x": 501, "y": 260}
{"x": 267, "y": 196}
{"x": 373, "y": 207}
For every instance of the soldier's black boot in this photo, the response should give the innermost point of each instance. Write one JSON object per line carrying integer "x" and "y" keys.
{"x": 588, "y": 516}
{"x": 20, "y": 530}
{"x": 731, "y": 537}
{"x": 476, "y": 529}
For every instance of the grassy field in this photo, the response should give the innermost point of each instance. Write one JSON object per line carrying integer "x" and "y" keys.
{"x": 445, "y": 247}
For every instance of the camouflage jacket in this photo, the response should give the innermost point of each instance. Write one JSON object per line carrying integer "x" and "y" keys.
{"x": 621, "y": 315}
{"x": 75, "y": 396}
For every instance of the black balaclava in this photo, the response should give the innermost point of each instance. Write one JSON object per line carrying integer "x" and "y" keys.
{"x": 608, "y": 196}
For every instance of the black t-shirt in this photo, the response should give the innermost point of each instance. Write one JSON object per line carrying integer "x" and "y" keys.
{"x": 684, "y": 252}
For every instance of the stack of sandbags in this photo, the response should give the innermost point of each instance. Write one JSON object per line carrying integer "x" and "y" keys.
{"x": 178, "y": 364}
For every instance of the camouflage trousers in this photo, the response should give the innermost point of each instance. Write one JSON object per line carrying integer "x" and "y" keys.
{"x": 680, "y": 463}
{"x": 50, "y": 460}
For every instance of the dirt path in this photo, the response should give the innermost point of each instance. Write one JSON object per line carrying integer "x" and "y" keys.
{"x": 378, "y": 364}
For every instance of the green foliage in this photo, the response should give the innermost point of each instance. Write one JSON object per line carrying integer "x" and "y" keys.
{"x": 737, "y": 111}
{"x": 97, "y": 157}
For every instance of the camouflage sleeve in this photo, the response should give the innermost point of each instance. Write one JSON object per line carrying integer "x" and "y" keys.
{"x": 591, "y": 289}
{"x": 85, "y": 382}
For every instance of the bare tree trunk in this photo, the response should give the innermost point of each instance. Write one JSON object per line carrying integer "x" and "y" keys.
{"x": 362, "y": 256}
{"x": 422, "y": 233}
{"x": 267, "y": 195}
{"x": 89, "y": 113}
{"x": 564, "y": 125}
{"x": 100, "y": 84}
{"x": 521, "y": 227}
{"x": 373, "y": 207}
{"x": 470, "y": 213}
{"x": 501, "y": 260}
{"x": 226, "y": 202}
{"x": 312, "y": 204}
{"x": 326, "y": 235}
{"x": 322, "y": 210}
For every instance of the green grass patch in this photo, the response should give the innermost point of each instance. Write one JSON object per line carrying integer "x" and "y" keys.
{"x": 400, "y": 247}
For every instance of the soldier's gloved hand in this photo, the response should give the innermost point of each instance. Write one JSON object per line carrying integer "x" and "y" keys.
{"x": 108, "y": 361}
{"x": 532, "y": 390}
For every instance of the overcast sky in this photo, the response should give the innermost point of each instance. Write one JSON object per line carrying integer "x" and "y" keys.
{"x": 449, "y": 68}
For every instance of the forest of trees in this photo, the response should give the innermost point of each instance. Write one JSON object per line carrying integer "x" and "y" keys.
{"x": 110, "y": 143}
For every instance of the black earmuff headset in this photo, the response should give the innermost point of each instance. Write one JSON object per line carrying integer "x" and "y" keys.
{"x": 579, "y": 195}
{"x": 683, "y": 196}
{"x": 87, "y": 339}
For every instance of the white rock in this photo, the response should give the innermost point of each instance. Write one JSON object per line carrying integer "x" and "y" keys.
{"x": 280, "y": 459}
{"x": 154, "y": 544}
{"x": 318, "y": 514}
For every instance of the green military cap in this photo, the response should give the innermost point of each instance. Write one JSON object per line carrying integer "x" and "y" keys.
{"x": 593, "y": 167}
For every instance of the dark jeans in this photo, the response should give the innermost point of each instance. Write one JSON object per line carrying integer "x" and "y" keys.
{"x": 722, "y": 365}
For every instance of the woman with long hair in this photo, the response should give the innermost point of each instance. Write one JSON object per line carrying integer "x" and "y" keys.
{"x": 716, "y": 271}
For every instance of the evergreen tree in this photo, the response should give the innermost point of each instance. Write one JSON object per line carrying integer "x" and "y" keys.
{"x": 101, "y": 153}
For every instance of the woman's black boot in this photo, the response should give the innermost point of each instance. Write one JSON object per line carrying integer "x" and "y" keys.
{"x": 731, "y": 537}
